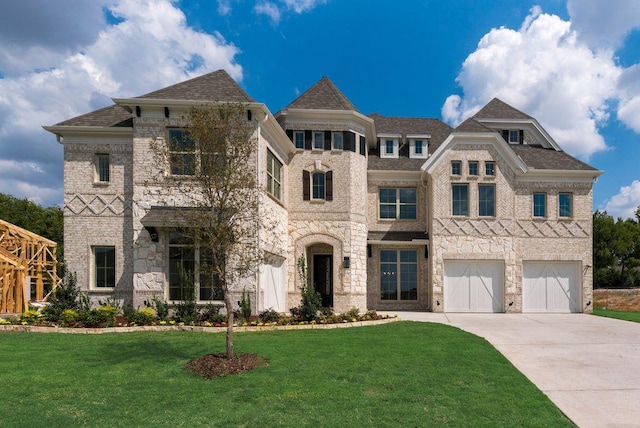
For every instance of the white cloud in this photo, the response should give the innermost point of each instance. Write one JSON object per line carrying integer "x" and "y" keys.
{"x": 603, "y": 24}
{"x": 224, "y": 7}
{"x": 275, "y": 11}
{"x": 625, "y": 203}
{"x": 545, "y": 71}
{"x": 269, "y": 9}
{"x": 150, "y": 47}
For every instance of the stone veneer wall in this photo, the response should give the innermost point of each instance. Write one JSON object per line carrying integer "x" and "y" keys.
{"x": 513, "y": 235}
{"x": 98, "y": 214}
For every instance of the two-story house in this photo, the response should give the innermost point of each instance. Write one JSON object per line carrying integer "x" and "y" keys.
{"x": 389, "y": 213}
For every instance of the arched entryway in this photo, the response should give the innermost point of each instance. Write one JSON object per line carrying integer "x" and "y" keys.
{"x": 321, "y": 271}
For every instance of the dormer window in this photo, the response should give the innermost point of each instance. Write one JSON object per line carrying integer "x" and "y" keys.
{"x": 337, "y": 141}
{"x": 298, "y": 139}
{"x": 418, "y": 144}
{"x": 513, "y": 136}
{"x": 389, "y": 145}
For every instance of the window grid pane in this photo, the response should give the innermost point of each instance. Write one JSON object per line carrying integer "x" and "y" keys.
{"x": 460, "y": 199}
{"x": 398, "y": 203}
{"x": 418, "y": 149}
{"x": 489, "y": 168}
{"x": 337, "y": 140}
{"x": 539, "y": 204}
{"x": 398, "y": 275}
{"x": 564, "y": 205}
{"x": 182, "y": 153}
{"x": 473, "y": 168}
{"x": 456, "y": 168}
{"x": 318, "y": 185}
{"x": 105, "y": 266}
{"x": 318, "y": 140}
{"x": 103, "y": 168}
{"x": 486, "y": 200}
{"x": 389, "y": 147}
{"x": 274, "y": 168}
{"x": 299, "y": 140}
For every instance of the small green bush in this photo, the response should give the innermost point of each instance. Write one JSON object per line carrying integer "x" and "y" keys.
{"x": 161, "y": 307}
{"x": 103, "y": 316}
{"x": 144, "y": 316}
{"x": 30, "y": 316}
{"x": 269, "y": 315}
{"x": 68, "y": 317}
{"x": 245, "y": 306}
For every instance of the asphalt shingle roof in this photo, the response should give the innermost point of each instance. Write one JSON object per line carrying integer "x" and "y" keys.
{"x": 216, "y": 86}
{"x": 498, "y": 109}
{"x": 406, "y": 125}
{"x": 323, "y": 95}
{"x": 538, "y": 157}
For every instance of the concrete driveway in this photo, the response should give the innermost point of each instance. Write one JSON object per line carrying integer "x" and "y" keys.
{"x": 588, "y": 366}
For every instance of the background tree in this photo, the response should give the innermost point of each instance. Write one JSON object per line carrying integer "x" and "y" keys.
{"x": 616, "y": 251}
{"x": 219, "y": 190}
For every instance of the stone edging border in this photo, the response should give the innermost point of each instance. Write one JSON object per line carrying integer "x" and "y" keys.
{"x": 193, "y": 328}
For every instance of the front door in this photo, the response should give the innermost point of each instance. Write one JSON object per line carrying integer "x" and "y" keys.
{"x": 322, "y": 277}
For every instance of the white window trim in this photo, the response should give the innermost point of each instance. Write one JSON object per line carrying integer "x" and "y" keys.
{"x": 324, "y": 186}
{"x": 313, "y": 141}
{"x": 295, "y": 133}
{"x": 396, "y": 148}
{"x": 96, "y": 176}
{"x": 397, "y": 204}
{"x": 333, "y": 140}
{"x": 517, "y": 133}
{"x": 570, "y": 207}
{"x": 425, "y": 145}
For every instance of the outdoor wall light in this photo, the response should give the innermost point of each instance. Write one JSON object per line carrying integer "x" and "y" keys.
{"x": 347, "y": 262}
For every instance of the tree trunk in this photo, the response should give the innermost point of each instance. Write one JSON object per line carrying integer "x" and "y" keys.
{"x": 229, "y": 305}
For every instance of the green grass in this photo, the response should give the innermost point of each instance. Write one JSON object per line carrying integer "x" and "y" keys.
{"x": 398, "y": 374}
{"x": 621, "y": 315}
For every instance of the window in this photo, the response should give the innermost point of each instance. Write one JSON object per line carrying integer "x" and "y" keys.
{"x": 489, "y": 168}
{"x": 486, "y": 200}
{"x": 318, "y": 140}
{"x": 460, "y": 199}
{"x": 318, "y": 185}
{"x": 274, "y": 179}
{"x": 539, "y": 204}
{"x": 398, "y": 275}
{"x": 417, "y": 147}
{"x": 514, "y": 136}
{"x": 398, "y": 203}
{"x": 473, "y": 168}
{"x": 182, "y": 153}
{"x": 456, "y": 168}
{"x": 337, "y": 142}
{"x": 104, "y": 261}
{"x": 298, "y": 138}
{"x": 564, "y": 205}
{"x": 191, "y": 271}
{"x": 388, "y": 147}
{"x": 102, "y": 168}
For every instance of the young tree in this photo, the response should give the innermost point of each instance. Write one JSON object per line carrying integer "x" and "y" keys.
{"x": 219, "y": 189}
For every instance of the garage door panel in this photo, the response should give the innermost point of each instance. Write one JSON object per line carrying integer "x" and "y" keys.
{"x": 551, "y": 286}
{"x": 473, "y": 286}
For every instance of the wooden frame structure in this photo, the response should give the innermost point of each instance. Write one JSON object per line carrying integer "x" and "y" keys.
{"x": 25, "y": 259}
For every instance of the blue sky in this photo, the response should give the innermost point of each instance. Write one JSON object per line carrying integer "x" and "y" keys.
{"x": 571, "y": 64}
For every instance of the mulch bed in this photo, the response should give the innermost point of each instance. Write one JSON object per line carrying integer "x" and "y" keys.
{"x": 218, "y": 365}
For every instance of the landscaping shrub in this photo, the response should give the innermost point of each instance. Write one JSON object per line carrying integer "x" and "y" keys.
{"x": 68, "y": 317}
{"x": 30, "y": 316}
{"x": 103, "y": 316}
{"x": 311, "y": 300}
{"x": 66, "y": 296}
{"x": 269, "y": 315}
{"x": 245, "y": 306}
{"x": 144, "y": 316}
{"x": 161, "y": 307}
{"x": 211, "y": 313}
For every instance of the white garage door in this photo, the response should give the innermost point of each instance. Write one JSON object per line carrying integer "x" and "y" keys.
{"x": 272, "y": 283}
{"x": 473, "y": 286}
{"x": 551, "y": 287}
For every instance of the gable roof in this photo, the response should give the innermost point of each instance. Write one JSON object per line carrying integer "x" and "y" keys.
{"x": 472, "y": 125}
{"x": 112, "y": 116}
{"x": 497, "y": 108}
{"x": 215, "y": 86}
{"x": 538, "y": 157}
{"x": 324, "y": 95}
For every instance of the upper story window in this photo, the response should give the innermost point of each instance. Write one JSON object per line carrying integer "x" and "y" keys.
{"x": 486, "y": 200}
{"x": 317, "y": 185}
{"x": 456, "y": 167}
{"x": 274, "y": 175}
{"x": 318, "y": 140}
{"x": 490, "y": 168}
{"x": 460, "y": 199}
{"x": 514, "y": 136}
{"x": 103, "y": 172}
{"x": 389, "y": 145}
{"x": 337, "y": 141}
{"x": 473, "y": 167}
{"x": 418, "y": 145}
{"x": 565, "y": 205}
{"x": 298, "y": 139}
{"x": 182, "y": 153}
{"x": 539, "y": 204}
{"x": 398, "y": 203}
{"x": 104, "y": 267}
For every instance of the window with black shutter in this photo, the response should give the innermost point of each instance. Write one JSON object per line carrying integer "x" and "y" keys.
{"x": 363, "y": 145}
{"x": 306, "y": 185}
{"x": 329, "y": 185}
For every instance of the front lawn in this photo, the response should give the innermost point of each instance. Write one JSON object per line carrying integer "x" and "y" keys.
{"x": 397, "y": 374}
{"x": 621, "y": 315}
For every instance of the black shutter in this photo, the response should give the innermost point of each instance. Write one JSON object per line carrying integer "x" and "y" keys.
{"x": 327, "y": 140}
{"x": 329, "y": 185}
{"x": 505, "y": 135}
{"x": 521, "y": 141}
{"x": 290, "y": 134}
{"x": 308, "y": 140}
{"x": 306, "y": 185}
{"x": 363, "y": 146}
{"x": 349, "y": 140}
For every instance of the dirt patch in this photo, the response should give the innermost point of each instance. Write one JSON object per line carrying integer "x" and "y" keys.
{"x": 217, "y": 365}
{"x": 627, "y": 299}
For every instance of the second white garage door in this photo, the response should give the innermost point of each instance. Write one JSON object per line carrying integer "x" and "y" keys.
{"x": 551, "y": 286}
{"x": 473, "y": 286}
